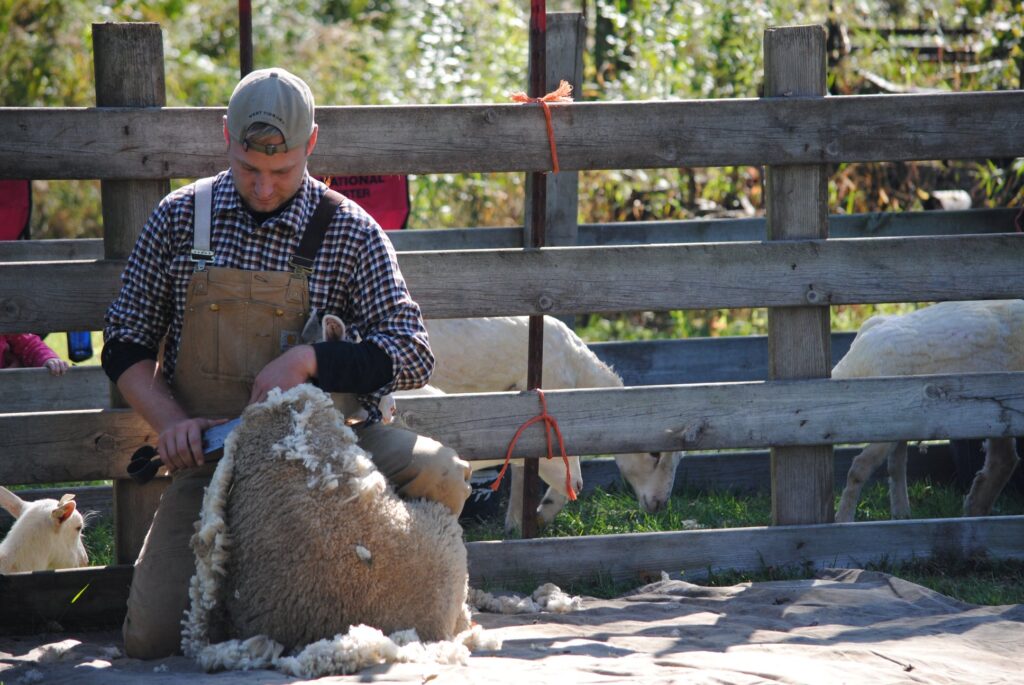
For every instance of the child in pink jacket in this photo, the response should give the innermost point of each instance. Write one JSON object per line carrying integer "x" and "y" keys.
{"x": 28, "y": 349}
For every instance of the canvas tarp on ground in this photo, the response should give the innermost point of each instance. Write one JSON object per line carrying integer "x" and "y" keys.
{"x": 847, "y": 626}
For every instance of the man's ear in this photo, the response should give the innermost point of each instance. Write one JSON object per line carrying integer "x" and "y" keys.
{"x": 227, "y": 136}
{"x": 312, "y": 139}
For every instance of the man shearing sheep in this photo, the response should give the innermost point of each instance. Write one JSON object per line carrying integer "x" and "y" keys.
{"x": 228, "y": 290}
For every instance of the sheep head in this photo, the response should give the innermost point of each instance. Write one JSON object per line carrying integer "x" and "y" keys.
{"x": 47, "y": 534}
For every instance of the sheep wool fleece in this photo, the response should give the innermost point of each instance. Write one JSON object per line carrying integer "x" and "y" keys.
{"x": 300, "y": 537}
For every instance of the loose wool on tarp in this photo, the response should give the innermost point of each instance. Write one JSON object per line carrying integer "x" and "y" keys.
{"x": 306, "y": 558}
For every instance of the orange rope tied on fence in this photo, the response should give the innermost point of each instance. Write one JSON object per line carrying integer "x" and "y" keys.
{"x": 549, "y": 424}
{"x": 561, "y": 94}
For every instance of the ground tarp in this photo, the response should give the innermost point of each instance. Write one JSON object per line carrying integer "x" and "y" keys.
{"x": 847, "y": 626}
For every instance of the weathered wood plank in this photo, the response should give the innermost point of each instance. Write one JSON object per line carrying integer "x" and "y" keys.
{"x": 641, "y": 557}
{"x": 121, "y": 143}
{"x": 60, "y": 447}
{"x": 32, "y": 390}
{"x": 640, "y": 362}
{"x": 71, "y": 599}
{"x": 796, "y": 199}
{"x": 129, "y": 59}
{"x": 571, "y": 280}
{"x": 876, "y": 224}
{"x": 94, "y": 445}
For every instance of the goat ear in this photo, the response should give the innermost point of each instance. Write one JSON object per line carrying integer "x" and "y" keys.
{"x": 11, "y": 502}
{"x": 64, "y": 509}
{"x": 333, "y": 327}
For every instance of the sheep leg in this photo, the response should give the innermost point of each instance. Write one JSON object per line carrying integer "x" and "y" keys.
{"x": 1000, "y": 461}
{"x": 514, "y": 514}
{"x": 864, "y": 464}
{"x": 551, "y": 503}
{"x": 899, "y": 500}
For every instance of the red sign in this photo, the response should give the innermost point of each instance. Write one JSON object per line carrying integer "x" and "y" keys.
{"x": 15, "y": 202}
{"x": 385, "y": 198}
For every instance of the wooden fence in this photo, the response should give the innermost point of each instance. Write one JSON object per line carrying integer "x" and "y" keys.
{"x": 789, "y": 263}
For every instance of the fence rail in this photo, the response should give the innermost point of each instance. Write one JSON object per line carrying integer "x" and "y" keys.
{"x": 96, "y": 444}
{"x": 877, "y": 224}
{"x": 573, "y": 280}
{"x": 170, "y": 142}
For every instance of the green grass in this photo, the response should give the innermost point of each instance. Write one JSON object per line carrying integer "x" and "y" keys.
{"x": 976, "y": 580}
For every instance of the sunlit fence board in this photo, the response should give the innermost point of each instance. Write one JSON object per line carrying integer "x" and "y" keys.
{"x": 151, "y": 143}
{"x": 612, "y": 279}
{"x": 90, "y": 445}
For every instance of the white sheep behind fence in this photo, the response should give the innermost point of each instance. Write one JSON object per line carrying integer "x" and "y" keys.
{"x": 490, "y": 355}
{"x": 949, "y": 337}
{"x": 46, "y": 535}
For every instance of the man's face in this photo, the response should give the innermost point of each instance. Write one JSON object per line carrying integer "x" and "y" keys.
{"x": 266, "y": 182}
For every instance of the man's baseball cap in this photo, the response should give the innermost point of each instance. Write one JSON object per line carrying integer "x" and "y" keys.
{"x": 276, "y": 97}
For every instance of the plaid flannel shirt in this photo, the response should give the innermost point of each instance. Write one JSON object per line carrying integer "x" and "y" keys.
{"x": 356, "y": 276}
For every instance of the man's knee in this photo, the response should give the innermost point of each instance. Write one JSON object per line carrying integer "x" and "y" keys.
{"x": 418, "y": 466}
{"x": 439, "y": 474}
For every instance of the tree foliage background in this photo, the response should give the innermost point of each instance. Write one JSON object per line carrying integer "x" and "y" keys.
{"x": 430, "y": 51}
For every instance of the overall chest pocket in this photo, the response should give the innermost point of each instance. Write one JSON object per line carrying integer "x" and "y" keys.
{"x": 234, "y": 339}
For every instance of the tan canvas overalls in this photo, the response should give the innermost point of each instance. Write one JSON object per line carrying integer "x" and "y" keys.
{"x": 235, "y": 322}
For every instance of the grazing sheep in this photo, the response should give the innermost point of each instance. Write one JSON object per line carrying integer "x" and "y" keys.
{"x": 301, "y": 538}
{"x": 949, "y": 337}
{"x": 47, "y": 534}
{"x": 490, "y": 355}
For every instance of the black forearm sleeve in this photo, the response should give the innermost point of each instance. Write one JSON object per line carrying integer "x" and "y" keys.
{"x": 118, "y": 356}
{"x": 352, "y": 367}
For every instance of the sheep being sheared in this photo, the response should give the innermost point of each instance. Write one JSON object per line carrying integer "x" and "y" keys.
{"x": 949, "y": 337}
{"x": 490, "y": 354}
{"x": 301, "y": 538}
{"x": 47, "y": 534}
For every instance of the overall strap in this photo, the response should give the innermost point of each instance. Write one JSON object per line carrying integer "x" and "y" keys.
{"x": 303, "y": 259}
{"x": 201, "y": 218}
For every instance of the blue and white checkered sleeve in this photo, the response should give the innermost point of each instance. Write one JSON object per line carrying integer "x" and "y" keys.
{"x": 142, "y": 310}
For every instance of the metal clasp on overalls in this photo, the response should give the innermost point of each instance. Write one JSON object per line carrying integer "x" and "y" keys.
{"x": 201, "y": 257}
{"x": 301, "y": 266}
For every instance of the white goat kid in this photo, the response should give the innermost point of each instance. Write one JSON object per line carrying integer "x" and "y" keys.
{"x": 47, "y": 534}
{"x": 949, "y": 337}
{"x": 490, "y": 355}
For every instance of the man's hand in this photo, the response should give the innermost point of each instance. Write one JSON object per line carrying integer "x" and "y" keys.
{"x": 181, "y": 443}
{"x": 294, "y": 367}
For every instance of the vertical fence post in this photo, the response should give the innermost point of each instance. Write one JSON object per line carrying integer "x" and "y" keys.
{"x": 129, "y": 70}
{"x": 798, "y": 337}
{"x": 564, "y": 35}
